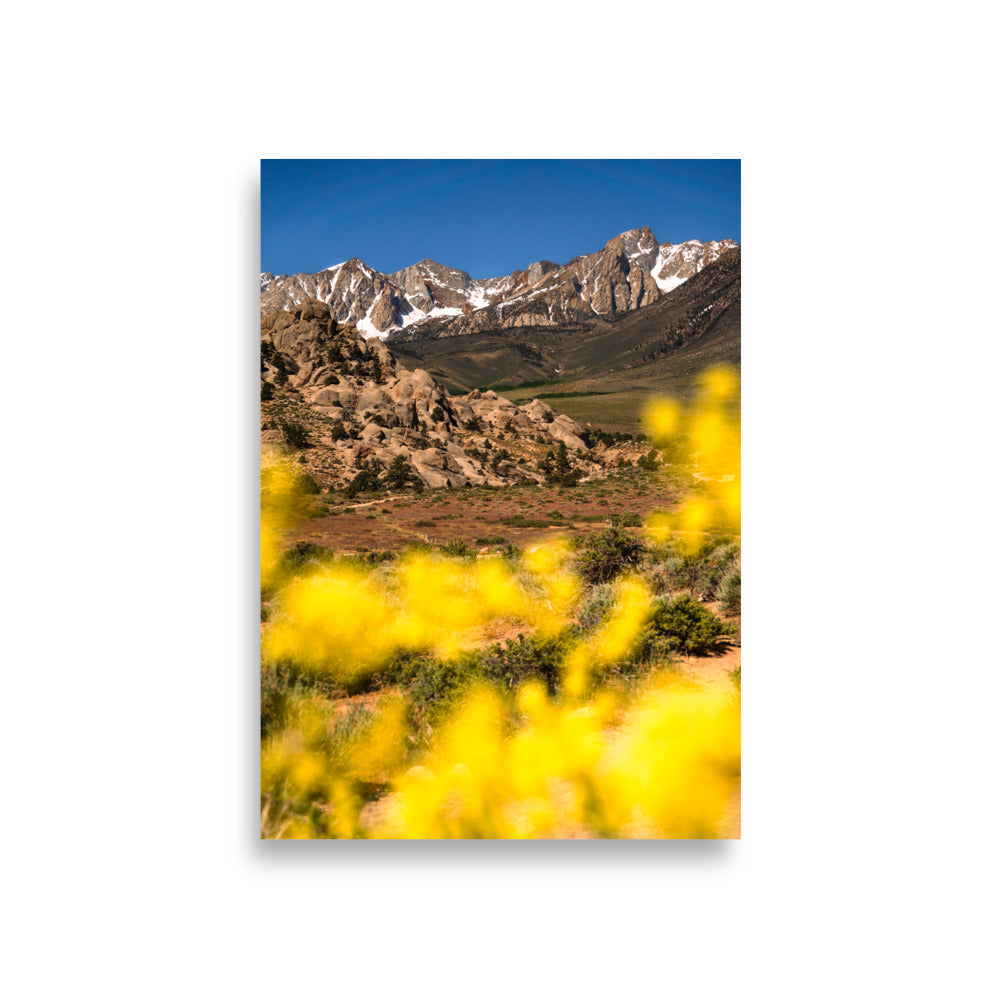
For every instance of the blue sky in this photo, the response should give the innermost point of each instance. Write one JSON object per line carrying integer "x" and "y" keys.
{"x": 487, "y": 217}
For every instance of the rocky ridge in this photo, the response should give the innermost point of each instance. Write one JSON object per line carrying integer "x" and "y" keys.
{"x": 345, "y": 404}
{"x": 429, "y": 299}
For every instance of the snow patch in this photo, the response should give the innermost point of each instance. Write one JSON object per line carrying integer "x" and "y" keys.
{"x": 418, "y": 315}
{"x": 415, "y": 315}
{"x": 668, "y": 284}
{"x": 477, "y": 297}
{"x": 367, "y": 327}
{"x": 368, "y": 330}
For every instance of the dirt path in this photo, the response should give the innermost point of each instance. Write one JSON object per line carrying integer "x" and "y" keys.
{"x": 372, "y": 503}
{"x": 714, "y": 673}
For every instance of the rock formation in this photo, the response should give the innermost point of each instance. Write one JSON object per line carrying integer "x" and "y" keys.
{"x": 345, "y": 403}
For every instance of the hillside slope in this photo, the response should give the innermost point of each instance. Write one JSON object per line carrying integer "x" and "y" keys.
{"x": 659, "y": 349}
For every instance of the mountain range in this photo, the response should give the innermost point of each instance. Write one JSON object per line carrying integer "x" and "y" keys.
{"x": 428, "y": 300}
{"x": 361, "y": 370}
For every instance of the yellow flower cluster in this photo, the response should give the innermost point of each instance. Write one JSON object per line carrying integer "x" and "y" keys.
{"x": 666, "y": 769}
{"x": 341, "y": 621}
{"x": 705, "y": 438}
{"x": 304, "y": 793}
{"x": 633, "y": 605}
{"x": 665, "y": 766}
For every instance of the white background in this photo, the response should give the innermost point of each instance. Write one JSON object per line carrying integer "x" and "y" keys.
{"x": 130, "y": 251}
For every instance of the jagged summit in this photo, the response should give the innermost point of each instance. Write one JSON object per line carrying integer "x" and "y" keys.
{"x": 432, "y": 299}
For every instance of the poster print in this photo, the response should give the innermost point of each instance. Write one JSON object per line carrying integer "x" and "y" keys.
{"x": 500, "y": 499}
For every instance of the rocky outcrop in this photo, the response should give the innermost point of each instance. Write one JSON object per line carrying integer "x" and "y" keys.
{"x": 353, "y": 291}
{"x": 428, "y": 285}
{"x": 359, "y": 406}
{"x": 619, "y": 279}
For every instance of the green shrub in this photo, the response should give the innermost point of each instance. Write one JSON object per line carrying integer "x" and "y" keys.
{"x": 456, "y": 548}
{"x": 308, "y": 485}
{"x": 664, "y": 575}
{"x": 266, "y": 392}
{"x": 517, "y": 661}
{"x": 683, "y": 625}
{"x": 366, "y": 481}
{"x": 700, "y": 572}
{"x": 492, "y": 540}
{"x": 630, "y": 520}
{"x": 375, "y": 557}
{"x": 301, "y": 554}
{"x": 597, "y": 436}
{"x": 713, "y": 563}
{"x": 558, "y": 469}
{"x": 435, "y": 687}
{"x": 729, "y": 591}
{"x": 605, "y": 555}
{"x": 650, "y": 461}
{"x": 346, "y": 729}
{"x": 596, "y": 607}
{"x": 295, "y": 434}
{"x": 520, "y": 521}
{"x": 282, "y": 686}
{"x": 274, "y": 703}
{"x": 401, "y": 475}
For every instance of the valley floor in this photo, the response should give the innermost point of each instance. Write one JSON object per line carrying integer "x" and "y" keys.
{"x": 479, "y": 518}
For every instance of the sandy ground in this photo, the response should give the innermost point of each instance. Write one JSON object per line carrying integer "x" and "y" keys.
{"x": 713, "y": 672}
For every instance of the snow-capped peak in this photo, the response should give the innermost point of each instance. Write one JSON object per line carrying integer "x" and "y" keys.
{"x": 630, "y": 271}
